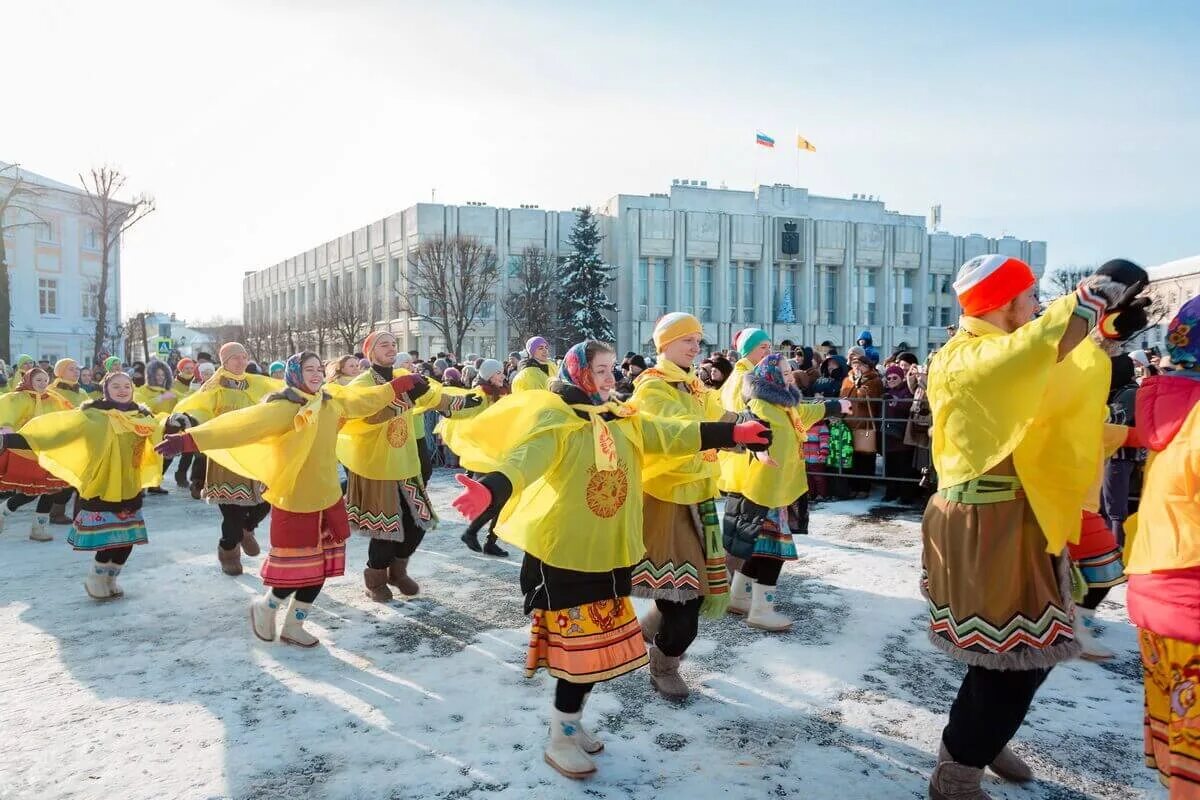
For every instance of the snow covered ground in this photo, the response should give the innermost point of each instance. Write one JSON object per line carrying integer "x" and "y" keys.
{"x": 166, "y": 694}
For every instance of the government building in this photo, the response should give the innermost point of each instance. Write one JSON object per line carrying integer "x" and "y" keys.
{"x": 806, "y": 268}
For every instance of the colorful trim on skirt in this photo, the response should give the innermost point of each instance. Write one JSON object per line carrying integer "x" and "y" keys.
{"x": 104, "y": 530}
{"x": 775, "y": 537}
{"x": 1098, "y": 554}
{"x": 1170, "y": 669}
{"x": 307, "y": 548}
{"x": 588, "y": 643}
{"x": 224, "y": 487}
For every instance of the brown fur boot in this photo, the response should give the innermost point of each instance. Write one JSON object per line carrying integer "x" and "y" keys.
{"x": 376, "y": 583}
{"x": 231, "y": 560}
{"x": 398, "y": 577}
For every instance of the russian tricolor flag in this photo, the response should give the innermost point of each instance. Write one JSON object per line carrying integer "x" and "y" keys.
{"x": 763, "y": 139}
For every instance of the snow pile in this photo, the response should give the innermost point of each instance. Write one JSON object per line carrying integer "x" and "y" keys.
{"x": 166, "y": 694}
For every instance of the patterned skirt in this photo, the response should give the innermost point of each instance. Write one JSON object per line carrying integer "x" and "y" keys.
{"x": 103, "y": 530}
{"x": 20, "y": 472}
{"x": 374, "y": 506}
{"x": 674, "y": 566}
{"x": 1098, "y": 554}
{"x": 775, "y": 537}
{"x": 588, "y": 643}
{"x": 306, "y": 547}
{"x": 227, "y": 488}
{"x": 1170, "y": 668}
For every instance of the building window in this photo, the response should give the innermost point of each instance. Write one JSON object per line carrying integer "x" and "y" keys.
{"x": 748, "y": 276}
{"x": 733, "y": 291}
{"x": 46, "y": 232}
{"x": 868, "y": 283}
{"x": 643, "y": 288}
{"x": 661, "y": 283}
{"x": 89, "y": 302}
{"x": 687, "y": 303}
{"x": 47, "y": 296}
{"x": 945, "y": 316}
{"x": 91, "y": 239}
{"x": 706, "y": 290}
{"x": 904, "y": 286}
{"x": 831, "y": 295}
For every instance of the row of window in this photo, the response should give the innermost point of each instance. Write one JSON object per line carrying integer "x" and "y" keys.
{"x": 89, "y": 299}
{"x": 47, "y": 231}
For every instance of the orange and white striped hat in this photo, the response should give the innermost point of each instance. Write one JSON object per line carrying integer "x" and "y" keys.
{"x": 986, "y": 283}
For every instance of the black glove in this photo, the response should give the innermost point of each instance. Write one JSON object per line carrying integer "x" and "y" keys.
{"x": 472, "y": 400}
{"x": 1128, "y": 316}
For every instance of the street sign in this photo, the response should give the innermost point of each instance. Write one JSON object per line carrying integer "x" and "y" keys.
{"x": 164, "y": 347}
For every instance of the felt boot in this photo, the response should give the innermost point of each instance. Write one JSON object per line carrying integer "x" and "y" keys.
{"x": 587, "y": 742}
{"x": 250, "y": 544}
{"x": 664, "y": 675}
{"x": 1092, "y": 649}
{"x": 5, "y": 513}
{"x": 231, "y": 560}
{"x": 954, "y": 781}
{"x": 762, "y": 610}
{"x": 740, "y": 594}
{"x": 263, "y": 614}
{"x": 58, "y": 514}
{"x": 40, "y": 531}
{"x": 96, "y": 582}
{"x": 1008, "y": 765}
{"x": 563, "y": 752}
{"x": 376, "y": 583}
{"x": 114, "y": 589}
{"x": 293, "y": 625}
{"x": 181, "y": 480}
{"x": 398, "y": 577}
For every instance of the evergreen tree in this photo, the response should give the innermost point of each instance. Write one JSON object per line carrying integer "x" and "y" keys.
{"x": 786, "y": 313}
{"x": 583, "y": 279}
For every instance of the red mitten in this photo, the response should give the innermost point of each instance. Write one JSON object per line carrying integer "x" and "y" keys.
{"x": 176, "y": 443}
{"x": 475, "y": 499}
{"x": 754, "y": 434}
{"x": 412, "y": 385}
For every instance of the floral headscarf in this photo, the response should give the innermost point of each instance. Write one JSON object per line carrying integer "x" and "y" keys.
{"x": 1183, "y": 335}
{"x": 158, "y": 374}
{"x": 26, "y": 384}
{"x": 576, "y": 372}
{"x": 766, "y": 382}
{"x": 293, "y": 371}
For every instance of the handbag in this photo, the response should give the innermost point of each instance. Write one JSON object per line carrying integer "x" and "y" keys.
{"x": 864, "y": 440}
{"x": 916, "y": 432}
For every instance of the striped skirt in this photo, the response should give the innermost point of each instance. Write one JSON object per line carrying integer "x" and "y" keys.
{"x": 588, "y": 643}
{"x": 1098, "y": 554}
{"x": 775, "y": 537}
{"x": 1172, "y": 721}
{"x": 20, "y": 472}
{"x": 307, "y": 548}
{"x": 103, "y": 530}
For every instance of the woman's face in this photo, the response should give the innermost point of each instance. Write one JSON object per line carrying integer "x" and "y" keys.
{"x": 350, "y": 367}
{"x": 894, "y": 381}
{"x": 312, "y": 374}
{"x": 759, "y": 353}
{"x": 71, "y": 374}
{"x": 683, "y": 352}
{"x": 789, "y": 378}
{"x": 602, "y": 373}
{"x": 497, "y": 380}
{"x": 40, "y": 381}
{"x": 85, "y": 375}
{"x": 542, "y": 353}
{"x": 236, "y": 363}
{"x": 120, "y": 388}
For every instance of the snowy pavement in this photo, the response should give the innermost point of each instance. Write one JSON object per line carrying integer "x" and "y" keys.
{"x": 166, "y": 694}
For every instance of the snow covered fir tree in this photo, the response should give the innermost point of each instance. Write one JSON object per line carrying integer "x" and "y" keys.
{"x": 584, "y": 307}
{"x": 786, "y": 312}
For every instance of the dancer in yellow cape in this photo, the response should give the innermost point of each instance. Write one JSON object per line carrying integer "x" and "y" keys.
{"x": 385, "y": 495}
{"x": 181, "y": 387}
{"x": 66, "y": 381}
{"x": 20, "y": 472}
{"x": 1018, "y": 408}
{"x": 239, "y": 498}
{"x": 767, "y": 502}
{"x": 105, "y": 451}
{"x": 683, "y": 569}
{"x": 536, "y": 371}
{"x": 563, "y": 470}
{"x": 753, "y": 345}
{"x": 158, "y": 395}
{"x": 287, "y": 442}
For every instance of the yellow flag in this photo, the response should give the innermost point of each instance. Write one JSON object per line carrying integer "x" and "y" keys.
{"x": 805, "y": 144}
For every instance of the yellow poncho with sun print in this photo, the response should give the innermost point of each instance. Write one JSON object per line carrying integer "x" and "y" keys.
{"x": 565, "y": 509}
{"x": 383, "y": 447}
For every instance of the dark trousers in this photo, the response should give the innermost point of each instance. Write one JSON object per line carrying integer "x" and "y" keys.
{"x": 114, "y": 555}
{"x": 305, "y": 594}
{"x": 44, "y": 501}
{"x": 863, "y": 471}
{"x": 381, "y": 552}
{"x": 1114, "y": 496}
{"x": 680, "y": 623}
{"x": 199, "y": 467}
{"x": 236, "y": 520}
{"x": 1094, "y": 598}
{"x": 181, "y": 470}
{"x": 763, "y": 570}
{"x": 898, "y": 463}
{"x": 569, "y": 697}
{"x": 990, "y": 707}
{"x": 426, "y": 459}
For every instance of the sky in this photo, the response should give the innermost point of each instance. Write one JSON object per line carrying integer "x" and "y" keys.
{"x": 265, "y": 128}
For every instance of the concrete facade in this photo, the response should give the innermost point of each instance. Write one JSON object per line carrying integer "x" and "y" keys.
{"x": 724, "y": 255}
{"x": 1174, "y": 282}
{"x": 53, "y": 254}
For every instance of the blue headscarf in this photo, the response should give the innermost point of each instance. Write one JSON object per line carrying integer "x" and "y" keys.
{"x": 1183, "y": 335}
{"x": 293, "y": 374}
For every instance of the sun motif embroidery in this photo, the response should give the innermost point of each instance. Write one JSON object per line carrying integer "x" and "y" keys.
{"x": 1178, "y": 335}
{"x": 607, "y": 490}
{"x": 709, "y": 456}
{"x": 139, "y": 449}
{"x": 397, "y": 432}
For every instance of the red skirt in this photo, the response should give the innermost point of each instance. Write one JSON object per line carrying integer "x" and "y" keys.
{"x": 307, "y": 548}
{"x": 20, "y": 472}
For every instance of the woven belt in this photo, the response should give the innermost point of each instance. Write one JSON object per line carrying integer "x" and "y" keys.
{"x": 985, "y": 490}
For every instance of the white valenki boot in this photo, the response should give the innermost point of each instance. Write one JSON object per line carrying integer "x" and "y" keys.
{"x": 40, "y": 531}
{"x": 114, "y": 589}
{"x": 96, "y": 582}
{"x": 5, "y": 513}
{"x": 1092, "y": 650}
{"x": 264, "y": 612}
{"x": 587, "y": 742}
{"x": 564, "y": 752}
{"x": 293, "y": 625}
{"x": 762, "y": 610}
{"x": 740, "y": 594}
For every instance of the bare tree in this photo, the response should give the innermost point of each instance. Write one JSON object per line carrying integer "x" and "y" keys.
{"x": 112, "y": 218}
{"x": 1065, "y": 280}
{"x": 349, "y": 316}
{"x": 456, "y": 277}
{"x": 18, "y": 209}
{"x": 320, "y": 325}
{"x": 530, "y": 304}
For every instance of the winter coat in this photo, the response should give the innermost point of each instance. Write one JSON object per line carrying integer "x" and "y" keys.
{"x": 866, "y": 399}
{"x": 832, "y": 373}
{"x": 896, "y": 410}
